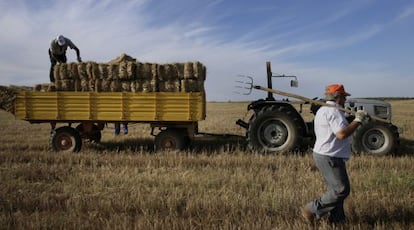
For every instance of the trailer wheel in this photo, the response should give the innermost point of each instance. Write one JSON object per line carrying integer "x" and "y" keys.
{"x": 171, "y": 139}
{"x": 66, "y": 139}
{"x": 273, "y": 129}
{"x": 375, "y": 138}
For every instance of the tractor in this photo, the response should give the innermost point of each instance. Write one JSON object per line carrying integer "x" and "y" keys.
{"x": 277, "y": 126}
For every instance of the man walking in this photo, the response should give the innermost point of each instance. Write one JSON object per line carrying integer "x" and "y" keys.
{"x": 57, "y": 52}
{"x": 332, "y": 149}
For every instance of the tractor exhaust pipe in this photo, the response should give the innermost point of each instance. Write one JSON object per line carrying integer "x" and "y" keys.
{"x": 242, "y": 123}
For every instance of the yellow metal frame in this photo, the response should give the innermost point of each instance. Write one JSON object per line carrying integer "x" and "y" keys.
{"x": 110, "y": 106}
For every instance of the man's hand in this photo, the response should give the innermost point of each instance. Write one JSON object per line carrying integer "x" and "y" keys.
{"x": 79, "y": 59}
{"x": 361, "y": 116}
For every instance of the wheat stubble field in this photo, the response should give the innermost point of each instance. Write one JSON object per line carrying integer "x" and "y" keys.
{"x": 122, "y": 184}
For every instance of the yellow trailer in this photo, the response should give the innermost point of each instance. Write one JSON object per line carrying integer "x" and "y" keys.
{"x": 176, "y": 114}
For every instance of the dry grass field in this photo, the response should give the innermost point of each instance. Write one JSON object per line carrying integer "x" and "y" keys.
{"x": 215, "y": 184}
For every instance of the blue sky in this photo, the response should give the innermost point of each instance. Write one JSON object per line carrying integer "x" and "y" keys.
{"x": 367, "y": 45}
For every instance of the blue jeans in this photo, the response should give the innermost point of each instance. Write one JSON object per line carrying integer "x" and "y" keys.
{"x": 118, "y": 128}
{"x": 333, "y": 170}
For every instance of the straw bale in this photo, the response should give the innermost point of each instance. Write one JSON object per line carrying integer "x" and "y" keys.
{"x": 63, "y": 72}
{"x": 103, "y": 71}
{"x": 115, "y": 86}
{"x": 126, "y": 86}
{"x": 139, "y": 70}
{"x": 72, "y": 70}
{"x": 83, "y": 75}
{"x": 170, "y": 86}
{"x": 154, "y": 71}
{"x": 131, "y": 70}
{"x": 123, "y": 74}
{"x": 56, "y": 72}
{"x": 171, "y": 72}
{"x": 122, "y": 58}
{"x": 106, "y": 85}
{"x": 147, "y": 71}
{"x": 113, "y": 71}
{"x": 188, "y": 70}
{"x": 179, "y": 68}
{"x": 199, "y": 70}
{"x": 192, "y": 85}
{"x": 148, "y": 85}
{"x": 95, "y": 71}
{"x": 84, "y": 85}
{"x": 89, "y": 70}
{"x": 64, "y": 85}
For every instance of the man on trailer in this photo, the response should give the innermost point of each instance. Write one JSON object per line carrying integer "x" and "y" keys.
{"x": 57, "y": 52}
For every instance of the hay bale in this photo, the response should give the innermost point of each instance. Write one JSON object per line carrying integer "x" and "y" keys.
{"x": 188, "y": 70}
{"x": 115, "y": 86}
{"x": 64, "y": 85}
{"x": 83, "y": 75}
{"x": 179, "y": 68}
{"x": 199, "y": 70}
{"x": 112, "y": 72}
{"x": 63, "y": 72}
{"x": 56, "y": 72}
{"x": 72, "y": 70}
{"x": 147, "y": 71}
{"x": 122, "y": 58}
{"x": 148, "y": 86}
{"x": 103, "y": 71}
{"x": 192, "y": 85}
{"x": 84, "y": 85}
{"x": 131, "y": 70}
{"x": 122, "y": 71}
{"x": 171, "y": 72}
{"x": 170, "y": 86}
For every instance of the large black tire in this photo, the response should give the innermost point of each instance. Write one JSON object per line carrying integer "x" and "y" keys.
{"x": 66, "y": 139}
{"x": 274, "y": 129}
{"x": 171, "y": 139}
{"x": 375, "y": 138}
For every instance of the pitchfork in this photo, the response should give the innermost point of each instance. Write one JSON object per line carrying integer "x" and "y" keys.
{"x": 248, "y": 85}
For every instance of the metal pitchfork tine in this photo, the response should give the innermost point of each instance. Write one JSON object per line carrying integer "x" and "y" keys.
{"x": 246, "y": 83}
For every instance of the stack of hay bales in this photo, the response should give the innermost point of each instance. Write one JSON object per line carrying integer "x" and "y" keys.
{"x": 125, "y": 74}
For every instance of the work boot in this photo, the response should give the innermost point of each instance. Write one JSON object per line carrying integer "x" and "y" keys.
{"x": 308, "y": 215}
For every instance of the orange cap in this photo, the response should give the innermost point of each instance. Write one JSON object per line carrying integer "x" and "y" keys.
{"x": 336, "y": 89}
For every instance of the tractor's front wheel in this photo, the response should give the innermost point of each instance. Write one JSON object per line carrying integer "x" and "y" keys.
{"x": 375, "y": 138}
{"x": 66, "y": 139}
{"x": 273, "y": 129}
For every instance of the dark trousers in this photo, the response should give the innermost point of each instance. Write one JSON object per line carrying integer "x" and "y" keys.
{"x": 54, "y": 59}
{"x": 333, "y": 170}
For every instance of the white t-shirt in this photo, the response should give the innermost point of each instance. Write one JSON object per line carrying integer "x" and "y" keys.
{"x": 329, "y": 121}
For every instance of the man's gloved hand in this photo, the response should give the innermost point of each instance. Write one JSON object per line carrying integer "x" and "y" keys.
{"x": 361, "y": 116}
{"x": 79, "y": 59}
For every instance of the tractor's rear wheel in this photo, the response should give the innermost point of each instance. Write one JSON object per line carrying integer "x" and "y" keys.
{"x": 171, "y": 139}
{"x": 375, "y": 138}
{"x": 66, "y": 139}
{"x": 273, "y": 129}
